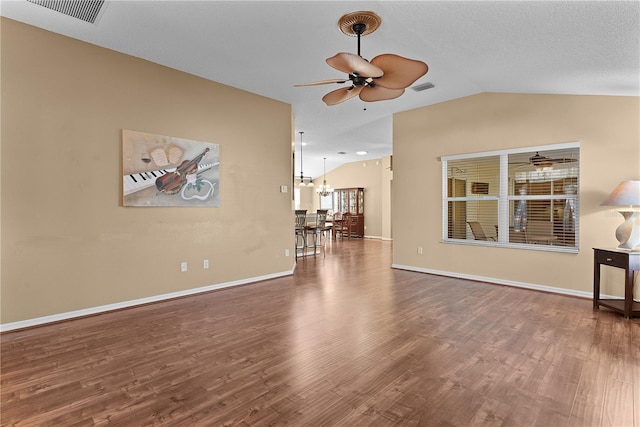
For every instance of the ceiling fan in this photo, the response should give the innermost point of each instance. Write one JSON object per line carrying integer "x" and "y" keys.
{"x": 540, "y": 161}
{"x": 385, "y": 77}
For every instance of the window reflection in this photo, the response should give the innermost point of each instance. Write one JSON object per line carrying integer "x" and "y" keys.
{"x": 527, "y": 197}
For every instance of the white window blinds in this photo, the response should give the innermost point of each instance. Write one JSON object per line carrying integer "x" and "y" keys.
{"x": 525, "y": 197}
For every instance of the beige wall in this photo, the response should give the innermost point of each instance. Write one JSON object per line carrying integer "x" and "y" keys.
{"x": 67, "y": 242}
{"x": 609, "y": 131}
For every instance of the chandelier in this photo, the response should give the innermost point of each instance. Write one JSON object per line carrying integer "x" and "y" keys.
{"x": 324, "y": 190}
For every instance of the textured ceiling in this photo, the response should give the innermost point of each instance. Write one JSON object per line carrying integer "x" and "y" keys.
{"x": 264, "y": 47}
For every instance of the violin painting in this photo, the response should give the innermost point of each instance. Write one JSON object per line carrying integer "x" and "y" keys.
{"x": 172, "y": 182}
{"x": 160, "y": 170}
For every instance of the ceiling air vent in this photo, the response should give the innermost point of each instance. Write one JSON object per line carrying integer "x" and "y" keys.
{"x": 423, "y": 86}
{"x": 86, "y": 10}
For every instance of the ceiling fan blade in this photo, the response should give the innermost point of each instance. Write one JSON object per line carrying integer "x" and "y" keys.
{"x": 563, "y": 160}
{"x": 399, "y": 72}
{"x": 354, "y": 64}
{"x": 540, "y": 160}
{"x": 379, "y": 93}
{"x": 321, "y": 82}
{"x": 340, "y": 95}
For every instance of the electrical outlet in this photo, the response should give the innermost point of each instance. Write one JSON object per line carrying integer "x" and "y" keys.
{"x": 419, "y": 250}
{"x": 183, "y": 267}
{"x": 205, "y": 263}
{"x": 286, "y": 252}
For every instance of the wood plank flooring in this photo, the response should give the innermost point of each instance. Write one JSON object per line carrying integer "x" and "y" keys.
{"x": 345, "y": 341}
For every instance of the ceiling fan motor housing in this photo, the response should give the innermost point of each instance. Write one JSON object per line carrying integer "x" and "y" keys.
{"x": 361, "y": 81}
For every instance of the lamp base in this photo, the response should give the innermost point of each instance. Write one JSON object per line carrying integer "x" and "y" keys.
{"x": 628, "y": 233}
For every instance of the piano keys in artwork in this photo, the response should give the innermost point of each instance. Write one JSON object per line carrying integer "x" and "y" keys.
{"x": 141, "y": 180}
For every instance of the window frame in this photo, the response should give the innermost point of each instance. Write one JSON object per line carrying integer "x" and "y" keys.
{"x": 326, "y": 202}
{"x": 504, "y": 199}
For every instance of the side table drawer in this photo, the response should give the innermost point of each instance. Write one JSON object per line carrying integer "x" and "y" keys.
{"x": 630, "y": 263}
{"x": 613, "y": 259}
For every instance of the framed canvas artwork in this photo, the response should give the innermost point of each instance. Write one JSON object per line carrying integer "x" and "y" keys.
{"x": 160, "y": 170}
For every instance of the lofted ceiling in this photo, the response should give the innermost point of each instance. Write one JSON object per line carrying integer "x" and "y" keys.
{"x": 265, "y": 47}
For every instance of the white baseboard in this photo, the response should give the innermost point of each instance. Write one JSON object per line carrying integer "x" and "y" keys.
{"x": 38, "y": 321}
{"x": 533, "y": 286}
{"x": 384, "y": 239}
{"x": 132, "y": 303}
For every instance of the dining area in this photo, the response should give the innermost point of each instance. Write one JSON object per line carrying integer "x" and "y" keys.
{"x": 313, "y": 229}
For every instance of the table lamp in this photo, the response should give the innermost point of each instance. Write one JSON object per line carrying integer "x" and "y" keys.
{"x": 627, "y": 194}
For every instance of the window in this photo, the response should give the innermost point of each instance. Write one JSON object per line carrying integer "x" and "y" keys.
{"x": 524, "y": 198}
{"x": 326, "y": 202}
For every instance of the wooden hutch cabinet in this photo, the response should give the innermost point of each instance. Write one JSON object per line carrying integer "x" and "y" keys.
{"x": 351, "y": 200}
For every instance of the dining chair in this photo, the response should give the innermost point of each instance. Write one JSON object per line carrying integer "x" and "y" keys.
{"x": 300, "y": 233}
{"x": 353, "y": 226}
{"x": 327, "y": 226}
{"x": 317, "y": 230}
{"x": 342, "y": 225}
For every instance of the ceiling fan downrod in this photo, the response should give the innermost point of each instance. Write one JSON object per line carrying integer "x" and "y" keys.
{"x": 358, "y": 28}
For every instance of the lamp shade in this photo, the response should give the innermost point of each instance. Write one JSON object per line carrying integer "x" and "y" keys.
{"x": 627, "y": 193}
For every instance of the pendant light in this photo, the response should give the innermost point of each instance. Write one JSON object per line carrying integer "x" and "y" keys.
{"x": 301, "y": 174}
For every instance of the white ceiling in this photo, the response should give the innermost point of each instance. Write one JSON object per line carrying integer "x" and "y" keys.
{"x": 264, "y": 47}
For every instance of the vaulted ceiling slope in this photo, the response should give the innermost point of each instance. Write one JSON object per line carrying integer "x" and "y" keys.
{"x": 265, "y": 47}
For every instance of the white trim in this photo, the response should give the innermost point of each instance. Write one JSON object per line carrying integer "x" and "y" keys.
{"x": 38, "y": 321}
{"x": 445, "y": 206}
{"x": 532, "y": 286}
{"x": 559, "y": 146}
{"x": 373, "y": 237}
{"x": 527, "y": 246}
{"x": 503, "y": 202}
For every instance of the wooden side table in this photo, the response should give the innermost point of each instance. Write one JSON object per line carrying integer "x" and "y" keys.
{"x": 630, "y": 262}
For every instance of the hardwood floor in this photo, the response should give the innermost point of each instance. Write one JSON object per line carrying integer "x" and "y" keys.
{"x": 345, "y": 341}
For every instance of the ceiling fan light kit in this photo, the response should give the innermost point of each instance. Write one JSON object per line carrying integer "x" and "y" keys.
{"x": 385, "y": 77}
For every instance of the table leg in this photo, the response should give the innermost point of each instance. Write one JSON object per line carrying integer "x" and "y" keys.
{"x": 628, "y": 293}
{"x": 596, "y": 282}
